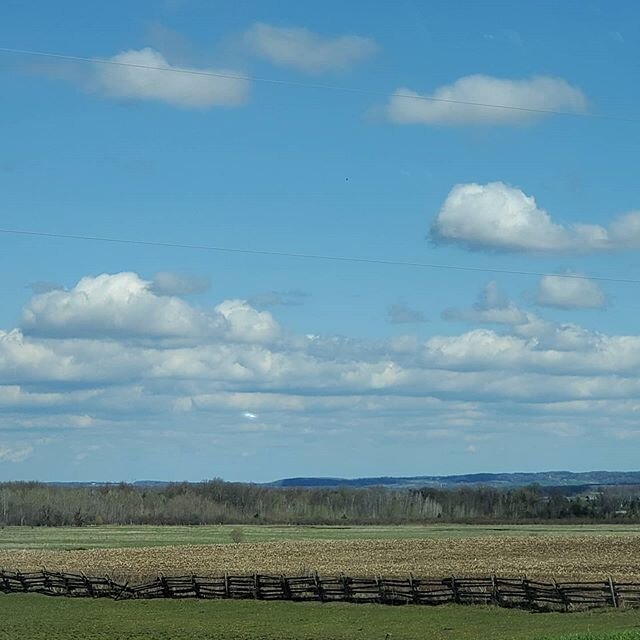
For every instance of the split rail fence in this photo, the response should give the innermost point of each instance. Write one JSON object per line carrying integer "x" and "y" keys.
{"x": 506, "y": 592}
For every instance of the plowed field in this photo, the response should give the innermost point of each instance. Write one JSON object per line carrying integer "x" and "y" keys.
{"x": 541, "y": 556}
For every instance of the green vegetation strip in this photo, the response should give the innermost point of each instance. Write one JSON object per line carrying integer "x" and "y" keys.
{"x": 37, "y": 617}
{"x": 111, "y": 536}
{"x": 622, "y": 635}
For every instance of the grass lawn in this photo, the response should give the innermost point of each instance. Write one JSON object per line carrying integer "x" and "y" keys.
{"x": 109, "y": 536}
{"x": 35, "y": 617}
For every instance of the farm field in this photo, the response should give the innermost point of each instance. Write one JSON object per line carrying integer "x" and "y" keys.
{"x": 111, "y": 536}
{"x": 39, "y": 618}
{"x": 576, "y": 554}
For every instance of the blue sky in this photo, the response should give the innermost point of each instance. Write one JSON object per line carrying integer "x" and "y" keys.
{"x": 130, "y": 362}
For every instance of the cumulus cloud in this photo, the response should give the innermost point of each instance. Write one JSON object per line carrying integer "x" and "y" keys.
{"x": 569, "y": 293}
{"x": 492, "y": 307}
{"x": 110, "y": 355}
{"x": 244, "y": 350}
{"x": 305, "y": 50}
{"x": 498, "y": 217}
{"x": 123, "y": 305}
{"x": 461, "y": 102}
{"x": 111, "y": 305}
{"x": 402, "y": 314}
{"x": 246, "y": 324}
{"x": 178, "y": 284}
{"x": 130, "y": 79}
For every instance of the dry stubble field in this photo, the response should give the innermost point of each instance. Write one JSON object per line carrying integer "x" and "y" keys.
{"x": 565, "y": 557}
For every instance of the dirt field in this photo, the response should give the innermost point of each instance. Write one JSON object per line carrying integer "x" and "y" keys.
{"x": 541, "y": 556}
{"x": 117, "y": 536}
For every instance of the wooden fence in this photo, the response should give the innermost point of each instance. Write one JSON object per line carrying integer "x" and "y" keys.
{"x": 506, "y": 592}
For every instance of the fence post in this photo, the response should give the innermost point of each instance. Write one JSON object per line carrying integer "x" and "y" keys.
{"x": 346, "y": 590}
{"x": 123, "y": 590}
{"x": 562, "y": 597}
{"x": 165, "y": 586}
{"x": 196, "y": 586}
{"x": 88, "y": 585}
{"x": 381, "y": 593}
{"x": 412, "y": 587}
{"x": 63, "y": 575}
{"x": 318, "y": 585}
{"x": 286, "y": 591}
{"x": 227, "y": 593}
{"x": 256, "y": 586}
{"x": 454, "y": 590}
{"x": 5, "y": 581}
{"x": 495, "y": 595}
{"x": 527, "y": 591}
{"x": 22, "y": 581}
{"x": 614, "y": 595}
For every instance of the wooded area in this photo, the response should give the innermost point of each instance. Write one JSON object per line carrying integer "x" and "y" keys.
{"x": 218, "y": 502}
{"x": 505, "y": 592}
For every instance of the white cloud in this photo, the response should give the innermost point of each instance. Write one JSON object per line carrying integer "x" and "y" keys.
{"x": 244, "y": 323}
{"x": 123, "y": 305}
{"x": 239, "y": 360}
{"x": 402, "y": 314}
{"x": 86, "y": 343}
{"x": 177, "y": 86}
{"x": 569, "y": 293}
{"x": 531, "y": 98}
{"x": 498, "y": 217}
{"x": 112, "y": 305}
{"x": 623, "y": 232}
{"x": 111, "y": 356}
{"x": 15, "y": 454}
{"x": 305, "y": 50}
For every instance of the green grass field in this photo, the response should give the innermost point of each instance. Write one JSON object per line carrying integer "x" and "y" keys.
{"x": 36, "y": 617}
{"x": 151, "y": 536}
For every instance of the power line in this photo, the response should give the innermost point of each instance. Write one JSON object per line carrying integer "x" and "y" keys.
{"x": 310, "y": 256}
{"x": 310, "y": 85}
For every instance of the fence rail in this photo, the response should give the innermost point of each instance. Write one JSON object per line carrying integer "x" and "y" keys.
{"x": 500, "y": 591}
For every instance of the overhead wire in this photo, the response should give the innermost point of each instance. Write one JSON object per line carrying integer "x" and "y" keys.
{"x": 299, "y": 255}
{"x": 312, "y": 85}
{"x": 310, "y": 256}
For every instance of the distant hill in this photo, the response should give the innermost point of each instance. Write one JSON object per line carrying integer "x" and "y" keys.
{"x": 584, "y": 479}
{"x": 543, "y": 478}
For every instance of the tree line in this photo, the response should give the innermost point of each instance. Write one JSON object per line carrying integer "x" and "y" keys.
{"x": 219, "y": 502}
